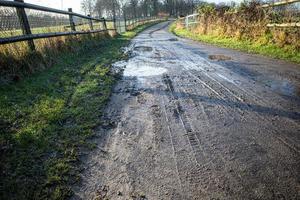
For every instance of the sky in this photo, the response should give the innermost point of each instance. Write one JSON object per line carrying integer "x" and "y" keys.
{"x": 75, "y": 4}
{"x": 219, "y": 1}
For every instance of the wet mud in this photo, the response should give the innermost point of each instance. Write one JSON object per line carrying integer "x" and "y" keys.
{"x": 219, "y": 57}
{"x": 181, "y": 125}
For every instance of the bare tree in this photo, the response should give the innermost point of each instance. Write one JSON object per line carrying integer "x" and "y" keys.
{"x": 139, "y": 8}
{"x": 88, "y": 6}
{"x": 134, "y": 4}
{"x": 99, "y": 8}
{"x": 107, "y": 8}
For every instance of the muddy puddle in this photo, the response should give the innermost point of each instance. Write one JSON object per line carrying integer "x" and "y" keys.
{"x": 219, "y": 57}
{"x": 284, "y": 87}
{"x": 139, "y": 65}
{"x": 143, "y": 70}
{"x": 143, "y": 49}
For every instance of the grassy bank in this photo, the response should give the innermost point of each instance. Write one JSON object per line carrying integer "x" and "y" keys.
{"x": 45, "y": 120}
{"x": 287, "y": 53}
{"x": 17, "y": 61}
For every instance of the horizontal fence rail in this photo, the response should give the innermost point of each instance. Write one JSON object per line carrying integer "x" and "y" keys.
{"x": 20, "y": 21}
{"x": 20, "y": 4}
{"x": 45, "y": 35}
{"x": 191, "y": 20}
{"x": 280, "y": 3}
{"x": 19, "y": 27}
{"x": 285, "y": 25}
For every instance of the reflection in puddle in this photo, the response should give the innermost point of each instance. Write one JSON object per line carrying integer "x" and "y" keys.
{"x": 143, "y": 70}
{"x": 284, "y": 87}
{"x": 219, "y": 57}
{"x": 227, "y": 79}
{"x": 142, "y": 48}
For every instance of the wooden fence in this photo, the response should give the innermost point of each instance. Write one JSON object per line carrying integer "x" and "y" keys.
{"x": 280, "y": 3}
{"x": 192, "y": 19}
{"x": 28, "y": 36}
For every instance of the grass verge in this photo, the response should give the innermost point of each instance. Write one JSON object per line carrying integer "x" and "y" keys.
{"x": 287, "y": 53}
{"x": 48, "y": 117}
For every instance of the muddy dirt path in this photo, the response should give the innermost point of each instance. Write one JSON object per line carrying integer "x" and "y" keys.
{"x": 193, "y": 121}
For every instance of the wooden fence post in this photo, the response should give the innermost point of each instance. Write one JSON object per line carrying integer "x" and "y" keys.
{"x": 104, "y": 24}
{"x": 91, "y": 23}
{"x": 25, "y": 24}
{"x": 125, "y": 21}
{"x": 72, "y": 24}
{"x": 115, "y": 23}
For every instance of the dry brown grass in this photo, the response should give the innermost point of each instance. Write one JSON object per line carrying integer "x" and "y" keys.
{"x": 17, "y": 61}
{"x": 249, "y": 22}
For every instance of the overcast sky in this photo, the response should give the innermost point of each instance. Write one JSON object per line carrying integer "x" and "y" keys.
{"x": 75, "y": 4}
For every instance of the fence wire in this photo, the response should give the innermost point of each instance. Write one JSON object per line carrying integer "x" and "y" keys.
{"x": 81, "y": 24}
{"x": 98, "y": 25}
{"x": 46, "y": 22}
{"x": 31, "y": 22}
{"x": 9, "y": 22}
{"x": 285, "y": 13}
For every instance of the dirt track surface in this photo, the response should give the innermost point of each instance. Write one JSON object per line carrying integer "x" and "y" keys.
{"x": 193, "y": 121}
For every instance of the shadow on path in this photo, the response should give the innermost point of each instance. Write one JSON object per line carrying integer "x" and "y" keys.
{"x": 231, "y": 104}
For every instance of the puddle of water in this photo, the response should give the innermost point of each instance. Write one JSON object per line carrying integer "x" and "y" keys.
{"x": 284, "y": 87}
{"x": 227, "y": 79}
{"x": 219, "y": 57}
{"x": 118, "y": 67}
{"x": 120, "y": 64}
{"x": 143, "y": 48}
{"x": 143, "y": 70}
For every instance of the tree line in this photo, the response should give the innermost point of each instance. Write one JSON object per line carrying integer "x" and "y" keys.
{"x": 138, "y": 8}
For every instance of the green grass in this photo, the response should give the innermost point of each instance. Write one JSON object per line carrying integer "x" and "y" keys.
{"x": 287, "y": 53}
{"x": 47, "y": 119}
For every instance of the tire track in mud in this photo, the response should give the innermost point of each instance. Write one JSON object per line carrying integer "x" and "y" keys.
{"x": 210, "y": 82}
{"x": 180, "y": 115}
{"x": 185, "y": 165}
{"x": 228, "y": 94}
{"x": 205, "y": 172}
{"x": 173, "y": 148}
{"x": 232, "y": 97}
{"x": 207, "y": 159}
{"x": 240, "y": 79}
{"x": 233, "y": 180}
{"x": 215, "y": 67}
